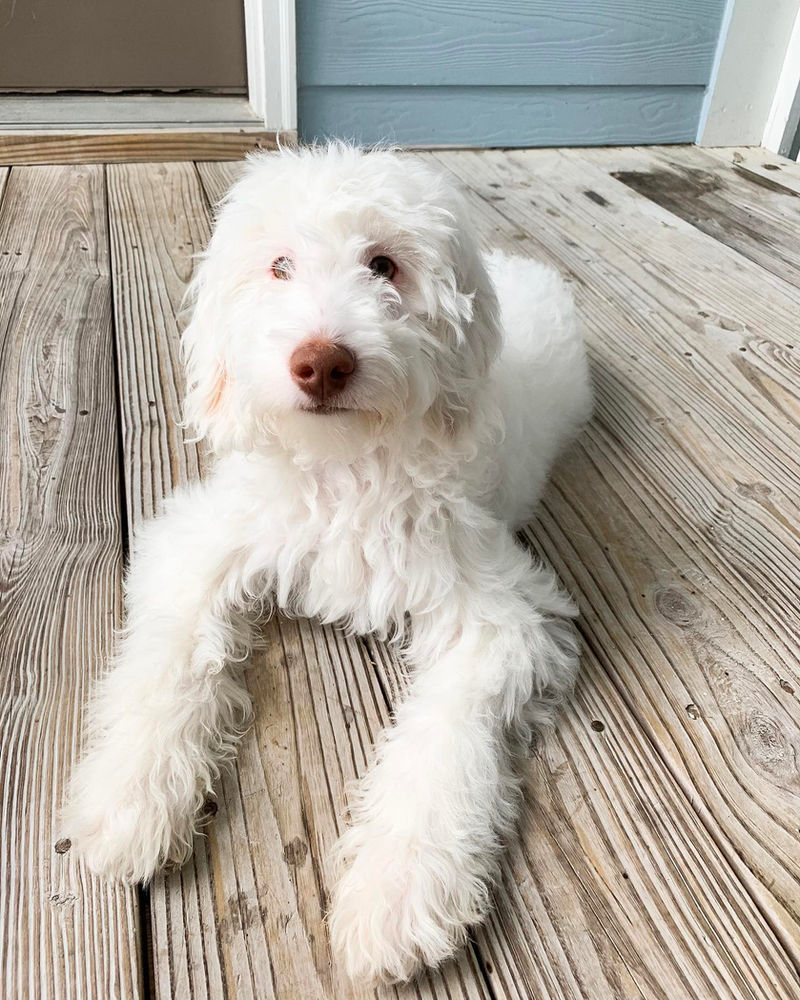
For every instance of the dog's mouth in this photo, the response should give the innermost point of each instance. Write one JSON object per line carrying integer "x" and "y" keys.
{"x": 327, "y": 408}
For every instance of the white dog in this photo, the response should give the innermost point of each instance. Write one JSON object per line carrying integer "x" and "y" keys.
{"x": 385, "y": 406}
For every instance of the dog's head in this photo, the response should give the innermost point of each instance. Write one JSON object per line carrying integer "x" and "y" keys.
{"x": 342, "y": 298}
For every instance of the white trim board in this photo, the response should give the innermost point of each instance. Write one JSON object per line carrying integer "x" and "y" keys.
{"x": 750, "y": 56}
{"x": 784, "y": 116}
{"x": 272, "y": 62}
{"x": 89, "y": 112}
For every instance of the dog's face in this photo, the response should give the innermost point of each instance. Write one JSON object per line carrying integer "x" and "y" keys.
{"x": 341, "y": 297}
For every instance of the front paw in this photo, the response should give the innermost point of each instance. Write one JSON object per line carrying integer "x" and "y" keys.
{"x": 401, "y": 904}
{"x": 125, "y": 832}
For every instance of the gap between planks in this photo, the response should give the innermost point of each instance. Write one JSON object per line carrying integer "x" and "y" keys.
{"x": 64, "y": 933}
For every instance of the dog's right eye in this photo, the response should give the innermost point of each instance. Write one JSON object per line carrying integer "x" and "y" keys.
{"x": 383, "y": 267}
{"x": 282, "y": 268}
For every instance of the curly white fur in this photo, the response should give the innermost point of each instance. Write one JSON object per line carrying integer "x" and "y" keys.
{"x": 400, "y": 507}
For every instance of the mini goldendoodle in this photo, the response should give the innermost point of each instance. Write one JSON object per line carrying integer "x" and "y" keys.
{"x": 384, "y": 404}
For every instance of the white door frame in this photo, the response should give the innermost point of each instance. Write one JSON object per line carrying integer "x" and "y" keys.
{"x": 271, "y": 104}
{"x": 783, "y": 123}
{"x": 272, "y": 62}
{"x": 751, "y": 52}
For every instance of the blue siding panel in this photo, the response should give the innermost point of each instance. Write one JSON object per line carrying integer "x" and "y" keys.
{"x": 505, "y": 72}
{"x": 506, "y": 42}
{"x": 501, "y": 116}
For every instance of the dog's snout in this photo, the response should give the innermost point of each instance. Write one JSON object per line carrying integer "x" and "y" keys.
{"x": 321, "y": 368}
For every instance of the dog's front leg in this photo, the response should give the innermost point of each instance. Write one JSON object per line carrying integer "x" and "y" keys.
{"x": 170, "y": 709}
{"x": 442, "y": 795}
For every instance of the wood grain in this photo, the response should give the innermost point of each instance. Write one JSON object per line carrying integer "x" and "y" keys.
{"x": 62, "y": 933}
{"x": 245, "y": 917}
{"x": 762, "y": 163}
{"x": 552, "y": 43}
{"x": 753, "y": 214}
{"x": 159, "y": 220}
{"x": 675, "y": 522}
{"x": 217, "y": 178}
{"x": 144, "y": 146}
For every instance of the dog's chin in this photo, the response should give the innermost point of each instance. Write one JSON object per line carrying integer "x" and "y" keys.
{"x": 327, "y": 433}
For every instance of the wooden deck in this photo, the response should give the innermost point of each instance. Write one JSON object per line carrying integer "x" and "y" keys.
{"x": 659, "y": 855}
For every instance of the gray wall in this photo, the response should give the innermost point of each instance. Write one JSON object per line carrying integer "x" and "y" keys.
{"x": 505, "y": 72}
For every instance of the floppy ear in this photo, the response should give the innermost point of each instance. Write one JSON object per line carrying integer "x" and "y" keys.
{"x": 468, "y": 317}
{"x": 214, "y": 407}
{"x": 208, "y": 407}
{"x": 481, "y": 320}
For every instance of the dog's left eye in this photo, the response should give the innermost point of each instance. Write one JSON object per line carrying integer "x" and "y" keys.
{"x": 282, "y": 268}
{"x": 383, "y": 267}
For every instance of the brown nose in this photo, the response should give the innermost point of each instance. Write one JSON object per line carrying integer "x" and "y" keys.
{"x": 321, "y": 368}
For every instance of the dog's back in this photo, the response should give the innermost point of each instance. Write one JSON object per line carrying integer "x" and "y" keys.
{"x": 540, "y": 381}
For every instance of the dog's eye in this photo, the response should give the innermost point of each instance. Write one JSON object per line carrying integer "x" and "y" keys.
{"x": 282, "y": 268}
{"x": 383, "y": 267}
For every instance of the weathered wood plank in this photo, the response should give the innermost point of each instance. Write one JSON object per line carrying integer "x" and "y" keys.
{"x": 675, "y": 524}
{"x": 245, "y": 917}
{"x": 152, "y": 264}
{"x": 62, "y": 932}
{"x": 752, "y": 214}
{"x": 36, "y": 112}
{"x": 217, "y": 178}
{"x": 762, "y": 163}
{"x": 142, "y": 146}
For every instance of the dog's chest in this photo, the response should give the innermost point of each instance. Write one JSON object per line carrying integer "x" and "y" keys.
{"x": 358, "y": 547}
